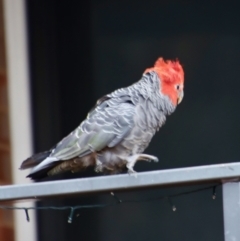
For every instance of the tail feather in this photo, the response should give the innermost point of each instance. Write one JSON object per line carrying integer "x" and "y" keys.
{"x": 42, "y": 173}
{"x": 45, "y": 164}
{"x": 34, "y": 160}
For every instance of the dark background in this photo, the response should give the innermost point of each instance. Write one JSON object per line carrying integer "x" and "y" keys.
{"x": 81, "y": 50}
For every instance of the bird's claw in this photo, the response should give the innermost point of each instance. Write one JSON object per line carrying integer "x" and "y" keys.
{"x": 155, "y": 159}
{"x": 148, "y": 158}
{"x": 131, "y": 172}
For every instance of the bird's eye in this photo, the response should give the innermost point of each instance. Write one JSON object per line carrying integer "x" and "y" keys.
{"x": 177, "y": 87}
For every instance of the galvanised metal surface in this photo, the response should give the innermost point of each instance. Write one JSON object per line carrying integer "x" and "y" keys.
{"x": 170, "y": 177}
{"x": 231, "y": 211}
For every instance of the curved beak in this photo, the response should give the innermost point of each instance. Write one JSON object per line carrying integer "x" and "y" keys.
{"x": 180, "y": 96}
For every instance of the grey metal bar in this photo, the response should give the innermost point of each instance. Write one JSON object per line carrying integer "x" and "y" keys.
{"x": 162, "y": 178}
{"x": 231, "y": 211}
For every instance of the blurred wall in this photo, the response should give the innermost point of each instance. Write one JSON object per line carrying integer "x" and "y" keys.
{"x": 15, "y": 130}
{"x": 81, "y": 51}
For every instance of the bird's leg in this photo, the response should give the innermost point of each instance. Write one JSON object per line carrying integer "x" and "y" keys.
{"x": 146, "y": 157}
{"x": 131, "y": 160}
{"x": 98, "y": 166}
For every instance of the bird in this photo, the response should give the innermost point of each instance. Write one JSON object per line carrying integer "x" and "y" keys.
{"x": 118, "y": 128}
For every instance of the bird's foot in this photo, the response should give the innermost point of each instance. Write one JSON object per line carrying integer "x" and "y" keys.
{"x": 131, "y": 160}
{"x": 132, "y": 172}
{"x": 146, "y": 157}
{"x": 99, "y": 166}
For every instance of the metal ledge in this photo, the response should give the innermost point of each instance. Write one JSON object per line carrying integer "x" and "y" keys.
{"x": 170, "y": 177}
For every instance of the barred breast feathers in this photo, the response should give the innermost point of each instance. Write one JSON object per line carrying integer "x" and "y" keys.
{"x": 152, "y": 103}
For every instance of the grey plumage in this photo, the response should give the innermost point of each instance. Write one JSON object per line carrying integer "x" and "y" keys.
{"x": 114, "y": 134}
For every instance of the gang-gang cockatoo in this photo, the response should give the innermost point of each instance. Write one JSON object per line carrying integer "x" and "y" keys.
{"x": 119, "y": 128}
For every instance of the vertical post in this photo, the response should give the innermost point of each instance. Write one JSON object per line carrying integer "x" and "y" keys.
{"x": 19, "y": 104}
{"x": 231, "y": 210}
